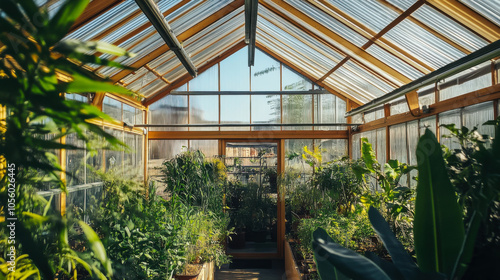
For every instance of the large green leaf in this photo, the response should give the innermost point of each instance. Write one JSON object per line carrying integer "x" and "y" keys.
{"x": 400, "y": 257}
{"x": 350, "y": 263}
{"x": 82, "y": 84}
{"x": 438, "y": 226}
{"x": 367, "y": 154}
{"x": 97, "y": 247}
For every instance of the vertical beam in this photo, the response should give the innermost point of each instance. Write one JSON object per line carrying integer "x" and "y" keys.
{"x": 251, "y": 11}
{"x": 387, "y": 113}
{"x": 98, "y": 99}
{"x": 349, "y": 130}
{"x": 62, "y": 162}
{"x": 281, "y": 198}
{"x": 146, "y": 153}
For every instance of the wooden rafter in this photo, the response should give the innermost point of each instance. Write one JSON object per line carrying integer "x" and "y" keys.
{"x": 93, "y": 10}
{"x": 186, "y": 78}
{"x": 373, "y": 36}
{"x": 341, "y": 95}
{"x": 181, "y": 37}
{"x": 349, "y": 48}
{"x": 428, "y": 28}
{"x": 468, "y": 18}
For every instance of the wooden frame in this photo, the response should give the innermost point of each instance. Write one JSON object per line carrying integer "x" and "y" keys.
{"x": 248, "y": 135}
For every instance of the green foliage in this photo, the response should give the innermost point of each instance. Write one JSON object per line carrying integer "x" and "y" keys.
{"x": 195, "y": 181}
{"x": 394, "y": 199}
{"x": 352, "y": 231}
{"x": 35, "y": 69}
{"x": 444, "y": 243}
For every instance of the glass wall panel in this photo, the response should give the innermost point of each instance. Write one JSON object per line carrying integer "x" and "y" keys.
{"x": 128, "y": 114}
{"x": 294, "y": 81}
{"x": 75, "y": 161}
{"x": 476, "y": 115}
{"x": 204, "y": 109}
{"x": 234, "y": 73}
{"x": 161, "y": 150}
{"x": 265, "y": 73}
{"x": 398, "y": 145}
{"x": 210, "y": 148}
{"x": 472, "y": 79}
{"x": 429, "y": 122}
{"x": 235, "y": 109}
{"x": 266, "y": 109}
{"x": 112, "y": 107}
{"x": 206, "y": 81}
{"x": 413, "y": 136}
{"x": 171, "y": 109}
{"x": 356, "y": 146}
{"x": 326, "y": 110}
{"x": 294, "y": 163}
{"x": 381, "y": 146}
{"x": 331, "y": 149}
{"x": 297, "y": 109}
{"x": 450, "y": 117}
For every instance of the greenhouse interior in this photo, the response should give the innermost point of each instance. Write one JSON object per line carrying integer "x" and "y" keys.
{"x": 249, "y": 139}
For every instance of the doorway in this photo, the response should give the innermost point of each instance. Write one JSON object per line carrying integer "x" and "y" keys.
{"x": 253, "y": 198}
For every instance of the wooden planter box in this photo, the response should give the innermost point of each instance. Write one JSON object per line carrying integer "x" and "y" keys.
{"x": 207, "y": 272}
{"x": 291, "y": 269}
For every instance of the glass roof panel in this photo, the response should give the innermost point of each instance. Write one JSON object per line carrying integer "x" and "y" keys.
{"x": 219, "y": 47}
{"x": 372, "y": 14}
{"x": 113, "y": 16}
{"x": 195, "y": 15}
{"x": 422, "y": 44}
{"x": 402, "y": 4}
{"x": 394, "y": 62}
{"x": 338, "y": 84}
{"x": 489, "y": 9}
{"x": 322, "y": 63}
{"x": 329, "y": 22}
{"x": 153, "y": 87}
{"x": 291, "y": 56}
{"x": 449, "y": 28}
{"x": 142, "y": 81}
{"x": 135, "y": 75}
{"x": 267, "y": 15}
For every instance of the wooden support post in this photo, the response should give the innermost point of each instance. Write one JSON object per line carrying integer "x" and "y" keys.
{"x": 281, "y": 199}
{"x": 62, "y": 161}
{"x": 146, "y": 153}
{"x": 387, "y": 113}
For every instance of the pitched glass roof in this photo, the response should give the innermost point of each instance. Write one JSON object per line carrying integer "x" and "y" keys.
{"x": 358, "y": 49}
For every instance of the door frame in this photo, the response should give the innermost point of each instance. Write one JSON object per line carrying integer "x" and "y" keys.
{"x": 280, "y": 242}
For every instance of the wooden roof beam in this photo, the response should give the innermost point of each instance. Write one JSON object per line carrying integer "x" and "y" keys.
{"x": 341, "y": 43}
{"x": 468, "y": 18}
{"x": 181, "y": 37}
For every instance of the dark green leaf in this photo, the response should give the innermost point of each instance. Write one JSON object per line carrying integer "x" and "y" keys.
{"x": 348, "y": 262}
{"x": 438, "y": 226}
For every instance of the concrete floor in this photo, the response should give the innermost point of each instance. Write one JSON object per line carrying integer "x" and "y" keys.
{"x": 277, "y": 272}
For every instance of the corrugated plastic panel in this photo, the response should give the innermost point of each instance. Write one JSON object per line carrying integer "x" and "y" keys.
{"x": 153, "y": 87}
{"x": 490, "y": 9}
{"x": 320, "y": 61}
{"x": 196, "y": 15}
{"x": 394, "y": 62}
{"x": 135, "y": 75}
{"x": 142, "y": 81}
{"x": 423, "y": 45}
{"x": 178, "y": 72}
{"x": 300, "y": 35}
{"x": 113, "y": 16}
{"x": 372, "y": 14}
{"x": 326, "y": 20}
{"x": 219, "y": 47}
{"x": 402, "y": 4}
{"x": 359, "y": 95}
{"x": 449, "y": 28}
{"x": 290, "y": 55}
